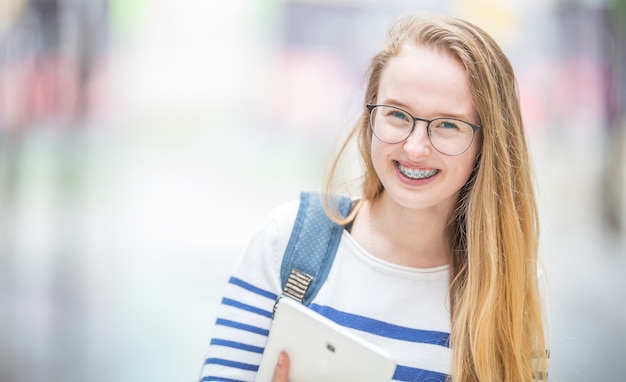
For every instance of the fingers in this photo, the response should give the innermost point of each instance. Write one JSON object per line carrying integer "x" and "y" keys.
{"x": 281, "y": 371}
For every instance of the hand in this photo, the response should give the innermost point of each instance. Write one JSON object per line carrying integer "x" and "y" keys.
{"x": 281, "y": 371}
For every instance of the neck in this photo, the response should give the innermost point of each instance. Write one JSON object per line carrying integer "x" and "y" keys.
{"x": 409, "y": 237}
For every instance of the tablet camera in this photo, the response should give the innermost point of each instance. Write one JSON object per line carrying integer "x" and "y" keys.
{"x": 330, "y": 347}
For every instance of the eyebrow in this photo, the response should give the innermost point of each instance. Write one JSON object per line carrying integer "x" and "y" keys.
{"x": 402, "y": 105}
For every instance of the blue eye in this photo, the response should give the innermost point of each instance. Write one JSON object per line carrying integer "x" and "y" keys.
{"x": 400, "y": 115}
{"x": 447, "y": 125}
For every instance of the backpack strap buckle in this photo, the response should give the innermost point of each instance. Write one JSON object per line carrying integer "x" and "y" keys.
{"x": 297, "y": 285}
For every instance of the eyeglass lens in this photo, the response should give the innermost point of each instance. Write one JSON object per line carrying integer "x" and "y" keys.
{"x": 447, "y": 135}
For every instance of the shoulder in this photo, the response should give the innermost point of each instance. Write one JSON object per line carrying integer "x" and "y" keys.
{"x": 259, "y": 264}
{"x": 281, "y": 219}
{"x": 271, "y": 236}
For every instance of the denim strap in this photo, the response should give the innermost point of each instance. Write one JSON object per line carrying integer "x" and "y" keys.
{"x": 311, "y": 248}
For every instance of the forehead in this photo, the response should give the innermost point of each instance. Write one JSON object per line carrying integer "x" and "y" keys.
{"x": 430, "y": 81}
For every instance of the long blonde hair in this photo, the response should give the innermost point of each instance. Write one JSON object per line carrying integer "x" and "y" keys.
{"x": 496, "y": 313}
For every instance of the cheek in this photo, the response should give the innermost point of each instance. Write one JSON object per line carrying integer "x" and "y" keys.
{"x": 458, "y": 174}
{"x": 378, "y": 155}
{"x": 468, "y": 171}
{"x": 470, "y": 162}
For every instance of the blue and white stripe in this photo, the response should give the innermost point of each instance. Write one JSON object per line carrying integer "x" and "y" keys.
{"x": 402, "y": 310}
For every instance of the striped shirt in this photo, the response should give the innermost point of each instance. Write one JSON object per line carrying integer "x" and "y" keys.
{"x": 402, "y": 310}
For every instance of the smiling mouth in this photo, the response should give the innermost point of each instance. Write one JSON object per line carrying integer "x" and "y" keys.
{"x": 415, "y": 173}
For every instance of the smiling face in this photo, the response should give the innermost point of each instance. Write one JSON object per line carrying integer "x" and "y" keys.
{"x": 429, "y": 84}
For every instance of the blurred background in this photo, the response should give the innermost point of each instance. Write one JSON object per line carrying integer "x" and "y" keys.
{"x": 141, "y": 143}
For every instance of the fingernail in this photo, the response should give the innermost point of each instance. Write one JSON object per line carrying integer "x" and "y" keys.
{"x": 281, "y": 359}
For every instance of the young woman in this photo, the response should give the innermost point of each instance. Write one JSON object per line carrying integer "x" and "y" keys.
{"x": 443, "y": 240}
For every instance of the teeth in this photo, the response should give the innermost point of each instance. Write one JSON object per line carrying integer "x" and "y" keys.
{"x": 416, "y": 173}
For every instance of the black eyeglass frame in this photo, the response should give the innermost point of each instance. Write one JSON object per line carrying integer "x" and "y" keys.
{"x": 371, "y": 108}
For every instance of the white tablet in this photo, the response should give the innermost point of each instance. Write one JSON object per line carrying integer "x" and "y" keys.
{"x": 320, "y": 349}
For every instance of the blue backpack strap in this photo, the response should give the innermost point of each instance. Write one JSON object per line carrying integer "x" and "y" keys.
{"x": 311, "y": 248}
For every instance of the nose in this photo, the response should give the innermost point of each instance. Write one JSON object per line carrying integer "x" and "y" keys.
{"x": 418, "y": 144}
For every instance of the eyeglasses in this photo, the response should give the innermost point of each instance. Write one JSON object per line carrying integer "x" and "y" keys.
{"x": 449, "y": 136}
